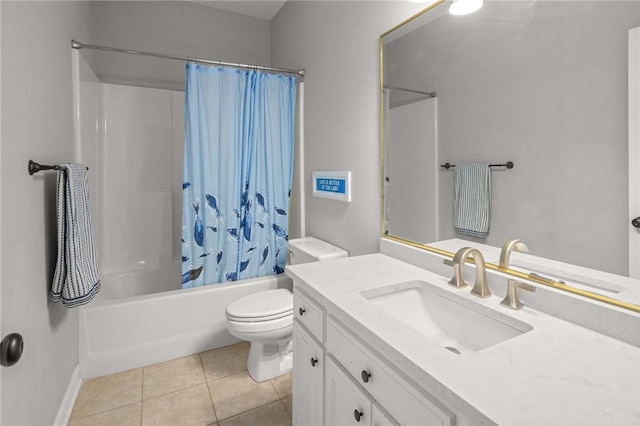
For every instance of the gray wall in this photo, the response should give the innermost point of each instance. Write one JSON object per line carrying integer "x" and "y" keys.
{"x": 175, "y": 27}
{"x": 37, "y": 123}
{"x": 337, "y": 43}
{"x": 550, "y": 96}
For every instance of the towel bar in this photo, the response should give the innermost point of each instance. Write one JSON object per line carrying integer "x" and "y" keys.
{"x": 34, "y": 167}
{"x": 508, "y": 165}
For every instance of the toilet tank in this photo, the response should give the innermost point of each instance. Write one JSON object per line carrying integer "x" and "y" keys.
{"x": 311, "y": 249}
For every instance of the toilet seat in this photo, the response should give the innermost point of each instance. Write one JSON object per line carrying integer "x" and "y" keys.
{"x": 262, "y": 330}
{"x": 263, "y": 306}
{"x": 259, "y": 318}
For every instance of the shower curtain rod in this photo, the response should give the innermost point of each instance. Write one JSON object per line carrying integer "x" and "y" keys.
{"x": 77, "y": 45}
{"x": 432, "y": 94}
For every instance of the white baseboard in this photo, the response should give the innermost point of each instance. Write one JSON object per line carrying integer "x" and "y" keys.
{"x": 66, "y": 406}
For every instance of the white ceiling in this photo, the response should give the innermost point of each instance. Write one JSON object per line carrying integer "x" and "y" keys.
{"x": 263, "y": 9}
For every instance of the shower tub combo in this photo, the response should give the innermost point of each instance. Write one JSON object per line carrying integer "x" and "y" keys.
{"x": 141, "y": 316}
{"x": 130, "y": 332}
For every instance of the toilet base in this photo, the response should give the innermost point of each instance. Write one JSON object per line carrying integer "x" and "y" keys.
{"x": 269, "y": 360}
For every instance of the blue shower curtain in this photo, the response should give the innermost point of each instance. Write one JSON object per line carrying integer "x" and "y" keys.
{"x": 239, "y": 134}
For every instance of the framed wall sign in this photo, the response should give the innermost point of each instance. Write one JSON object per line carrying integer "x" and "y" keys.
{"x": 333, "y": 185}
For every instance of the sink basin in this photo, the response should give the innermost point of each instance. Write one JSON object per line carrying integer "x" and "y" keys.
{"x": 457, "y": 324}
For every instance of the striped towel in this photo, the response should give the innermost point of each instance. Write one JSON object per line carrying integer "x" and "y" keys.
{"x": 76, "y": 279}
{"x": 473, "y": 199}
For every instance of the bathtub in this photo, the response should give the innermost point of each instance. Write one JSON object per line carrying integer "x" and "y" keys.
{"x": 120, "y": 333}
{"x": 157, "y": 279}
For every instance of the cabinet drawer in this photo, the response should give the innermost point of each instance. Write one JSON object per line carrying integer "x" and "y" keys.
{"x": 399, "y": 397}
{"x": 309, "y": 313}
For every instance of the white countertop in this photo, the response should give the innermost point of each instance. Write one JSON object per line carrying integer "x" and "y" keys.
{"x": 557, "y": 374}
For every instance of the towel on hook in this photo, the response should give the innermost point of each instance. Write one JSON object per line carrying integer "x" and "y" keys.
{"x": 76, "y": 280}
{"x": 472, "y": 201}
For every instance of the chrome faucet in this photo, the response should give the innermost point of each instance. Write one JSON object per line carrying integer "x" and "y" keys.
{"x": 508, "y": 247}
{"x": 511, "y": 299}
{"x": 480, "y": 288}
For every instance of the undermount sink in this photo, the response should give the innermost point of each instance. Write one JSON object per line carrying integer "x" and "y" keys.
{"x": 457, "y": 324}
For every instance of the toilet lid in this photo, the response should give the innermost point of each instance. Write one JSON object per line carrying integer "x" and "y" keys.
{"x": 264, "y": 305}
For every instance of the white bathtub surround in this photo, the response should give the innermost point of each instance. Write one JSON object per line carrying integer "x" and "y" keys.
{"x": 121, "y": 334}
{"x": 119, "y": 285}
{"x": 132, "y": 140}
{"x": 556, "y": 373}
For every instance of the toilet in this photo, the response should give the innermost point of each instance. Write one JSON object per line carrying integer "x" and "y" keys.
{"x": 265, "y": 318}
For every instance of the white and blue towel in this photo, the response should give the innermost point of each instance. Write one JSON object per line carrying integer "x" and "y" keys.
{"x": 76, "y": 280}
{"x": 472, "y": 202}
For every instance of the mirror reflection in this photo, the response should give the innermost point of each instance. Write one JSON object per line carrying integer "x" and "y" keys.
{"x": 543, "y": 84}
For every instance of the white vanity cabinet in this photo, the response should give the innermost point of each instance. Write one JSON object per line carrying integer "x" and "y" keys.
{"x": 349, "y": 383}
{"x": 308, "y": 378}
{"x": 308, "y": 361}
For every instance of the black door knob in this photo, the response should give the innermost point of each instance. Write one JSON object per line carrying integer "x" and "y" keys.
{"x": 314, "y": 361}
{"x": 302, "y": 311}
{"x": 365, "y": 376}
{"x": 11, "y": 349}
{"x": 357, "y": 414}
{"x": 636, "y": 222}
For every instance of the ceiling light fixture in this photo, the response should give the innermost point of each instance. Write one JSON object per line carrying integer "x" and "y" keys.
{"x": 464, "y": 7}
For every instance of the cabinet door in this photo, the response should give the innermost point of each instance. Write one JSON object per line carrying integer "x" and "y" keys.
{"x": 308, "y": 367}
{"x": 345, "y": 403}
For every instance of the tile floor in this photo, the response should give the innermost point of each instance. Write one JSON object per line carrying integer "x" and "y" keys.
{"x": 210, "y": 388}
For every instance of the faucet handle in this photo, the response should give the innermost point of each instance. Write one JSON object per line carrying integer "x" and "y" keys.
{"x": 457, "y": 280}
{"x": 511, "y": 299}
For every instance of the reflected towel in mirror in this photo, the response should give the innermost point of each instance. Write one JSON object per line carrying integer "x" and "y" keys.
{"x": 472, "y": 201}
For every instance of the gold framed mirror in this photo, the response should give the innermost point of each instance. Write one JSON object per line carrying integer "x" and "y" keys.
{"x": 543, "y": 84}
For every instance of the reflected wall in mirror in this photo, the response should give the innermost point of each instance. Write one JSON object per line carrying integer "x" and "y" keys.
{"x": 541, "y": 83}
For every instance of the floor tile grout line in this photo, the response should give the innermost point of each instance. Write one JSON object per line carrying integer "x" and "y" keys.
{"x": 142, "y": 396}
{"x": 106, "y": 411}
{"x": 181, "y": 389}
{"x": 218, "y": 349}
{"x": 174, "y": 391}
{"x": 109, "y": 409}
{"x": 285, "y": 406}
{"x": 206, "y": 382}
{"x": 252, "y": 409}
{"x": 274, "y": 388}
